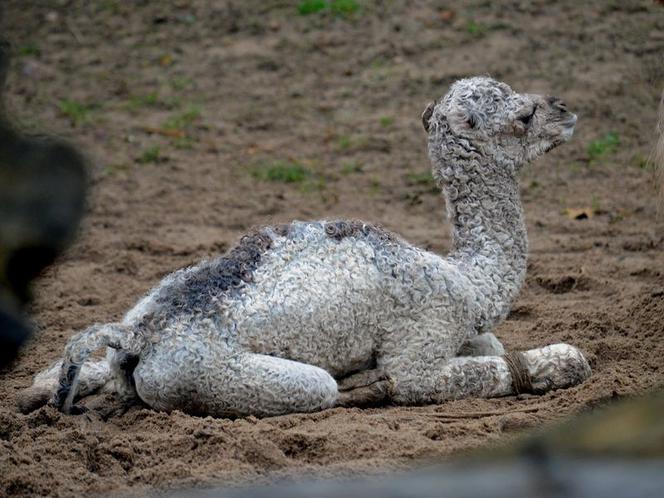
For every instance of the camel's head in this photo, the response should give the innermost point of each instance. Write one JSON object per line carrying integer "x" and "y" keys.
{"x": 483, "y": 117}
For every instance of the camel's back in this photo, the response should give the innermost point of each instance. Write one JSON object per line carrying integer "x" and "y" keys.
{"x": 318, "y": 296}
{"x": 319, "y": 292}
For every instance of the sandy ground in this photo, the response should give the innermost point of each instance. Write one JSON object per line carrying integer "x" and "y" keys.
{"x": 185, "y": 108}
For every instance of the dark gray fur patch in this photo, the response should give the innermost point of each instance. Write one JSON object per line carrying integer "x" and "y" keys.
{"x": 202, "y": 288}
{"x": 341, "y": 229}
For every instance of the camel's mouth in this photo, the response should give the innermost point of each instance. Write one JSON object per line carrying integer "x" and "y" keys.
{"x": 570, "y": 122}
{"x": 568, "y": 127}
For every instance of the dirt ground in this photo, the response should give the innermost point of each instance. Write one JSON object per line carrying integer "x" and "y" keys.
{"x": 195, "y": 113}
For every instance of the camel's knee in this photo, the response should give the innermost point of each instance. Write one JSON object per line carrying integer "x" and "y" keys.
{"x": 166, "y": 385}
{"x": 93, "y": 375}
{"x": 157, "y": 387}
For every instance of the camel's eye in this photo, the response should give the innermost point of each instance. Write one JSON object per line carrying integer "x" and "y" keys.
{"x": 527, "y": 118}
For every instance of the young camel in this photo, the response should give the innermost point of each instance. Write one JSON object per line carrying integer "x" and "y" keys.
{"x": 267, "y": 328}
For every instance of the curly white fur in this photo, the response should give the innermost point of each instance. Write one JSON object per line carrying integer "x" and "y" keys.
{"x": 266, "y": 329}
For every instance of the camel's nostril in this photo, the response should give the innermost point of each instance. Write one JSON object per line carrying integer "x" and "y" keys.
{"x": 557, "y": 103}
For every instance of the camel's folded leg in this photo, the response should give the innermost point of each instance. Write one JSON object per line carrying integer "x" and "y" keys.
{"x": 94, "y": 375}
{"x": 208, "y": 380}
{"x": 534, "y": 371}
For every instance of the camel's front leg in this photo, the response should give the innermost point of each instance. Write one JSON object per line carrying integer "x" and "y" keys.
{"x": 535, "y": 371}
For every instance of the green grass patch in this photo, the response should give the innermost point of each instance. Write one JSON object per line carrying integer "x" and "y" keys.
{"x": 307, "y": 7}
{"x": 150, "y": 155}
{"x": 282, "y": 171}
{"x": 350, "y": 168}
{"x": 596, "y": 205}
{"x": 77, "y": 112}
{"x": 112, "y": 169}
{"x": 423, "y": 179}
{"x": 354, "y": 142}
{"x": 475, "y": 28}
{"x": 179, "y": 83}
{"x": 341, "y": 8}
{"x": 183, "y": 143}
{"x": 601, "y": 147}
{"x": 29, "y": 49}
{"x": 344, "y": 7}
{"x": 344, "y": 142}
{"x": 183, "y": 120}
{"x": 374, "y": 186}
{"x": 386, "y": 121}
{"x": 640, "y": 161}
{"x": 148, "y": 100}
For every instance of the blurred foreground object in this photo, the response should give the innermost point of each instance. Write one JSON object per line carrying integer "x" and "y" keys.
{"x": 42, "y": 197}
{"x": 617, "y": 451}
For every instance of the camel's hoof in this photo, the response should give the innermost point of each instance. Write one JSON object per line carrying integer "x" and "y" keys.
{"x": 556, "y": 367}
{"x": 31, "y": 398}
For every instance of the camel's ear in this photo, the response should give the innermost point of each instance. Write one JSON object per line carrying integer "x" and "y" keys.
{"x": 426, "y": 115}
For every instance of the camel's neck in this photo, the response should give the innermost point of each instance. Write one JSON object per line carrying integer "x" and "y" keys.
{"x": 490, "y": 242}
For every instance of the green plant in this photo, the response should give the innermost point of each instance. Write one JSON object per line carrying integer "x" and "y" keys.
{"x": 423, "y": 178}
{"x": 307, "y": 7}
{"x": 150, "y": 155}
{"x": 344, "y": 142}
{"x": 386, "y": 121}
{"x": 640, "y": 161}
{"x": 179, "y": 83}
{"x": 355, "y": 142}
{"x": 349, "y": 168}
{"x": 374, "y": 186}
{"x": 29, "y": 49}
{"x": 146, "y": 100}
{"x": 282, "y": 171}
{"x": 608, "y": 144}
{"x": 341, "y": 8}
{"x": 112, "y": 169}
{"x": 77, "y": 112}
{"x": 183, "y": 120}
{"x": 183, "y": 142}
{"x": 475, "y": 28}
{"x": 344, "y": 7}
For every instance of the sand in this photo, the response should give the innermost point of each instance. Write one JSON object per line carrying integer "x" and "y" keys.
{"x": 181, "y": 107}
